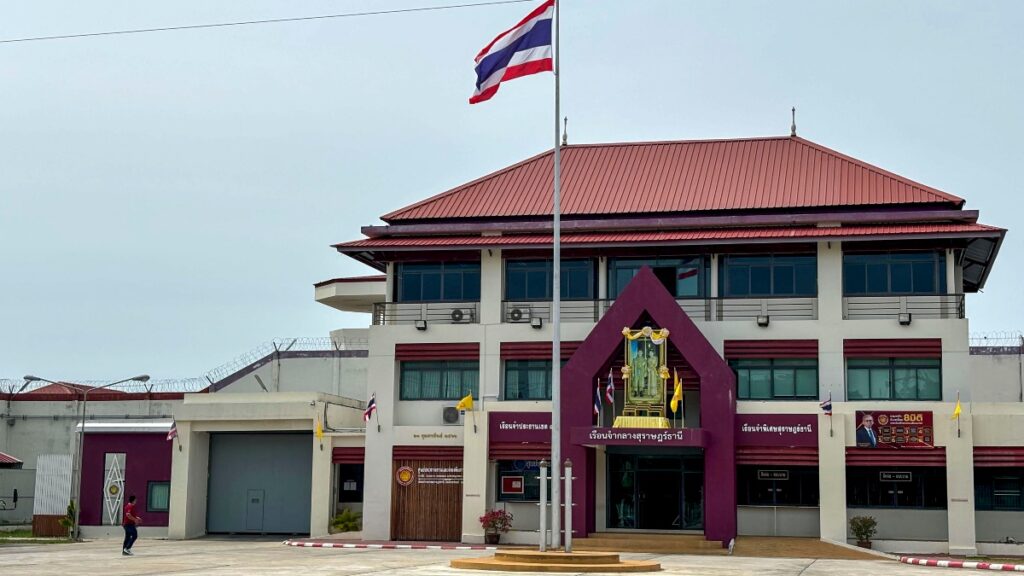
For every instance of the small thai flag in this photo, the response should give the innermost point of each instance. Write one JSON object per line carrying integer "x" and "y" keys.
{"x": 371, "y": 407}
{"x": 173, "y": 432}
{"x": 597, "y": 400}
{"x": 826, "y": 406}
{"x": 520, "y": 51}
{"x": 609, "y": 390}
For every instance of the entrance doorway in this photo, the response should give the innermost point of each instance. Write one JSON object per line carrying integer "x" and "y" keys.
{"x": 655, "y": 491}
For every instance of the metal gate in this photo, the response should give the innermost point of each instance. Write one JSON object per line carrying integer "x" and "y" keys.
{"x": 259, "y": 483}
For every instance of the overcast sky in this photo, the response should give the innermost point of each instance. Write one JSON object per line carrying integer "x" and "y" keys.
{"x": 167, "y": 200}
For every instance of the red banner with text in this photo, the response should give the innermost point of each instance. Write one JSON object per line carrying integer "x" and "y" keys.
{"x": 895, "y": 429}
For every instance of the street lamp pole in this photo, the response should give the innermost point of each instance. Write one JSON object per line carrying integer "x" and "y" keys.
{"x": 77, "y": 531}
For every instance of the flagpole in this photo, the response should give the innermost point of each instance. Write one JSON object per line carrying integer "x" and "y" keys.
{"x": 556, "y": 296}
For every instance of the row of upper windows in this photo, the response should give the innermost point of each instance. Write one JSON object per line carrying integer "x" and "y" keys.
{"x": 761, "y": 379}
{"x": 922, "y": 272}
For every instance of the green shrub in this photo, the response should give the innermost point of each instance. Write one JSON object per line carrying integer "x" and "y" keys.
{"x": 863, "y": 527}
{"x": 347, "y": 521}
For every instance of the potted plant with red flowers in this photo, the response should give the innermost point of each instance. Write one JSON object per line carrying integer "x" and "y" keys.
{"x": 495, "y": 523}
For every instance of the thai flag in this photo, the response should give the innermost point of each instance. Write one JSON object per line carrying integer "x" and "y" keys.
{"x": 826, "y": 406}
{"x": 609, "y": 390}
{"x": 520, "y": 51}
{"x": 597, "y": 400}
{"x": 371, "y": 407}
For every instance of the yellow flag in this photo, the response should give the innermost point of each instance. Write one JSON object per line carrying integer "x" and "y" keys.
{"x": 677, "y": 395}
{"x": 466, "y": 403}
{"x": 319, "y": 430}
{"x": 957, "y": 410}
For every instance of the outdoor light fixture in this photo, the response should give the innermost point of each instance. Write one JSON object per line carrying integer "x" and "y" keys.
{"x": 536, "y": 322}
{"x": 762, "y": 320}
{"x": 421, "y": 325}
{"x": 905, "y": 318}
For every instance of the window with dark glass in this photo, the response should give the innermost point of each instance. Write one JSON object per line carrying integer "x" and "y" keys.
{"x": 776, "y": 379}
{"x": 999, "y": 488}
{"x": 158, "y": 496}
{"x": 439, "y": 380}
{"x": 683, "y": 277}
{"x": 435, "y": 282}
{"x": 527, "y": 380}
{"x": 884, "y": 273}
{"x": 777, "y": 486}
{"x": 519, "y": 481}
{"x": 894, "y": 487}
{"x": 532, "y": 279}
{"x": 350, "y": 482}
{"x": 893, "y": 379}
{"x": 773, "y": 275}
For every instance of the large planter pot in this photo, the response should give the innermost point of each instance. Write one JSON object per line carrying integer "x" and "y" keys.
{"x": 492, "y": 537}
{"x": 864, "y": 544}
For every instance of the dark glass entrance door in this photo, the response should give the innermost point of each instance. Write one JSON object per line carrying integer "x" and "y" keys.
{"x": 655, "y": 491}
{"x": 659, "y": 493}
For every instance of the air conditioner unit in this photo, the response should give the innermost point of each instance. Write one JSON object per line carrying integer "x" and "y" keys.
{"x": 519, "y": 314}
{"x": 450, "y": 415}
{"x": 462, "y": 315}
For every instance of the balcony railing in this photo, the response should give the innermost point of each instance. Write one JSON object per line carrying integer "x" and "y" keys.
{"x": 514, "y": 311}
{"x": 939, "y": 306}
{"x": 775, "y": 308}
{"x": 396, "y": 313}
{"x": 934, "y": 306}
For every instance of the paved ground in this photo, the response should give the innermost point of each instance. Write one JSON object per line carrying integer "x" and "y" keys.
{"x": 230, "y": 557}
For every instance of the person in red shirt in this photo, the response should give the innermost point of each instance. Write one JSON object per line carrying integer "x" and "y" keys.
{"x": 131, "y": 533}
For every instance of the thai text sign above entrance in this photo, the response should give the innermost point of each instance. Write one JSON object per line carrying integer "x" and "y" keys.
{"x": 895, "y": 429}
{"x": 519, "y": 427}
{"x": 637, "y": 437}
{"x": 777, "y": 430}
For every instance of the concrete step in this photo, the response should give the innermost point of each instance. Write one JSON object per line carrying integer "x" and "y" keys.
{"x": 527, "y": 556}
{"x": 555, "y": 566}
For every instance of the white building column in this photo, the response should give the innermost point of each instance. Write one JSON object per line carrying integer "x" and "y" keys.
{"x": 378, "y": 463}
{"x": 830, "y": 283}
{"x": 602, "y": 278}
{"x": 474, "y": 477}
{"x": 832, "y": 477}
{"x": 491, "y": 293}
{"x": 715, "y": 288}
{"x": 320, "y": 504}
{"x": 951, "y": 284}
{"x": 189, "y": 474}
{"x": 389, "y": 284}
{"x": 960, "y": 483}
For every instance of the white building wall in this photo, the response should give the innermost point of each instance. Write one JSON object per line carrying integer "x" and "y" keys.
{"x": 960, "y": 372}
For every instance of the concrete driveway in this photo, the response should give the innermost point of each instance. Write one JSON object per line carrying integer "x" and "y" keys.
{"x": 225, "y": 557}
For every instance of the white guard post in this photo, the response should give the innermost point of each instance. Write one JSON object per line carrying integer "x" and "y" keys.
{"x": 568, "y": 505}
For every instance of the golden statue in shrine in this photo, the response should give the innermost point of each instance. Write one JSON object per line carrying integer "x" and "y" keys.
{"x": 645, "y": 373}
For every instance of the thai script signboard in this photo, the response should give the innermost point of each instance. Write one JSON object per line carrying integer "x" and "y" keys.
{"x": 777, "y": 430}
{"x": 519, "y": 427}
{"x": 895, "y": 429}
{"x": 637, "y": 437}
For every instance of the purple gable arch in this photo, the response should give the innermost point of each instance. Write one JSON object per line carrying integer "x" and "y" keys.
{"x": 645, "y": 294}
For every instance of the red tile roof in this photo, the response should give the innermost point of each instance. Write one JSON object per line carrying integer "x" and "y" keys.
{"x": 676, "y": 236}
{"x": 673, "y": 177}
{"x": 7, "y": 459}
